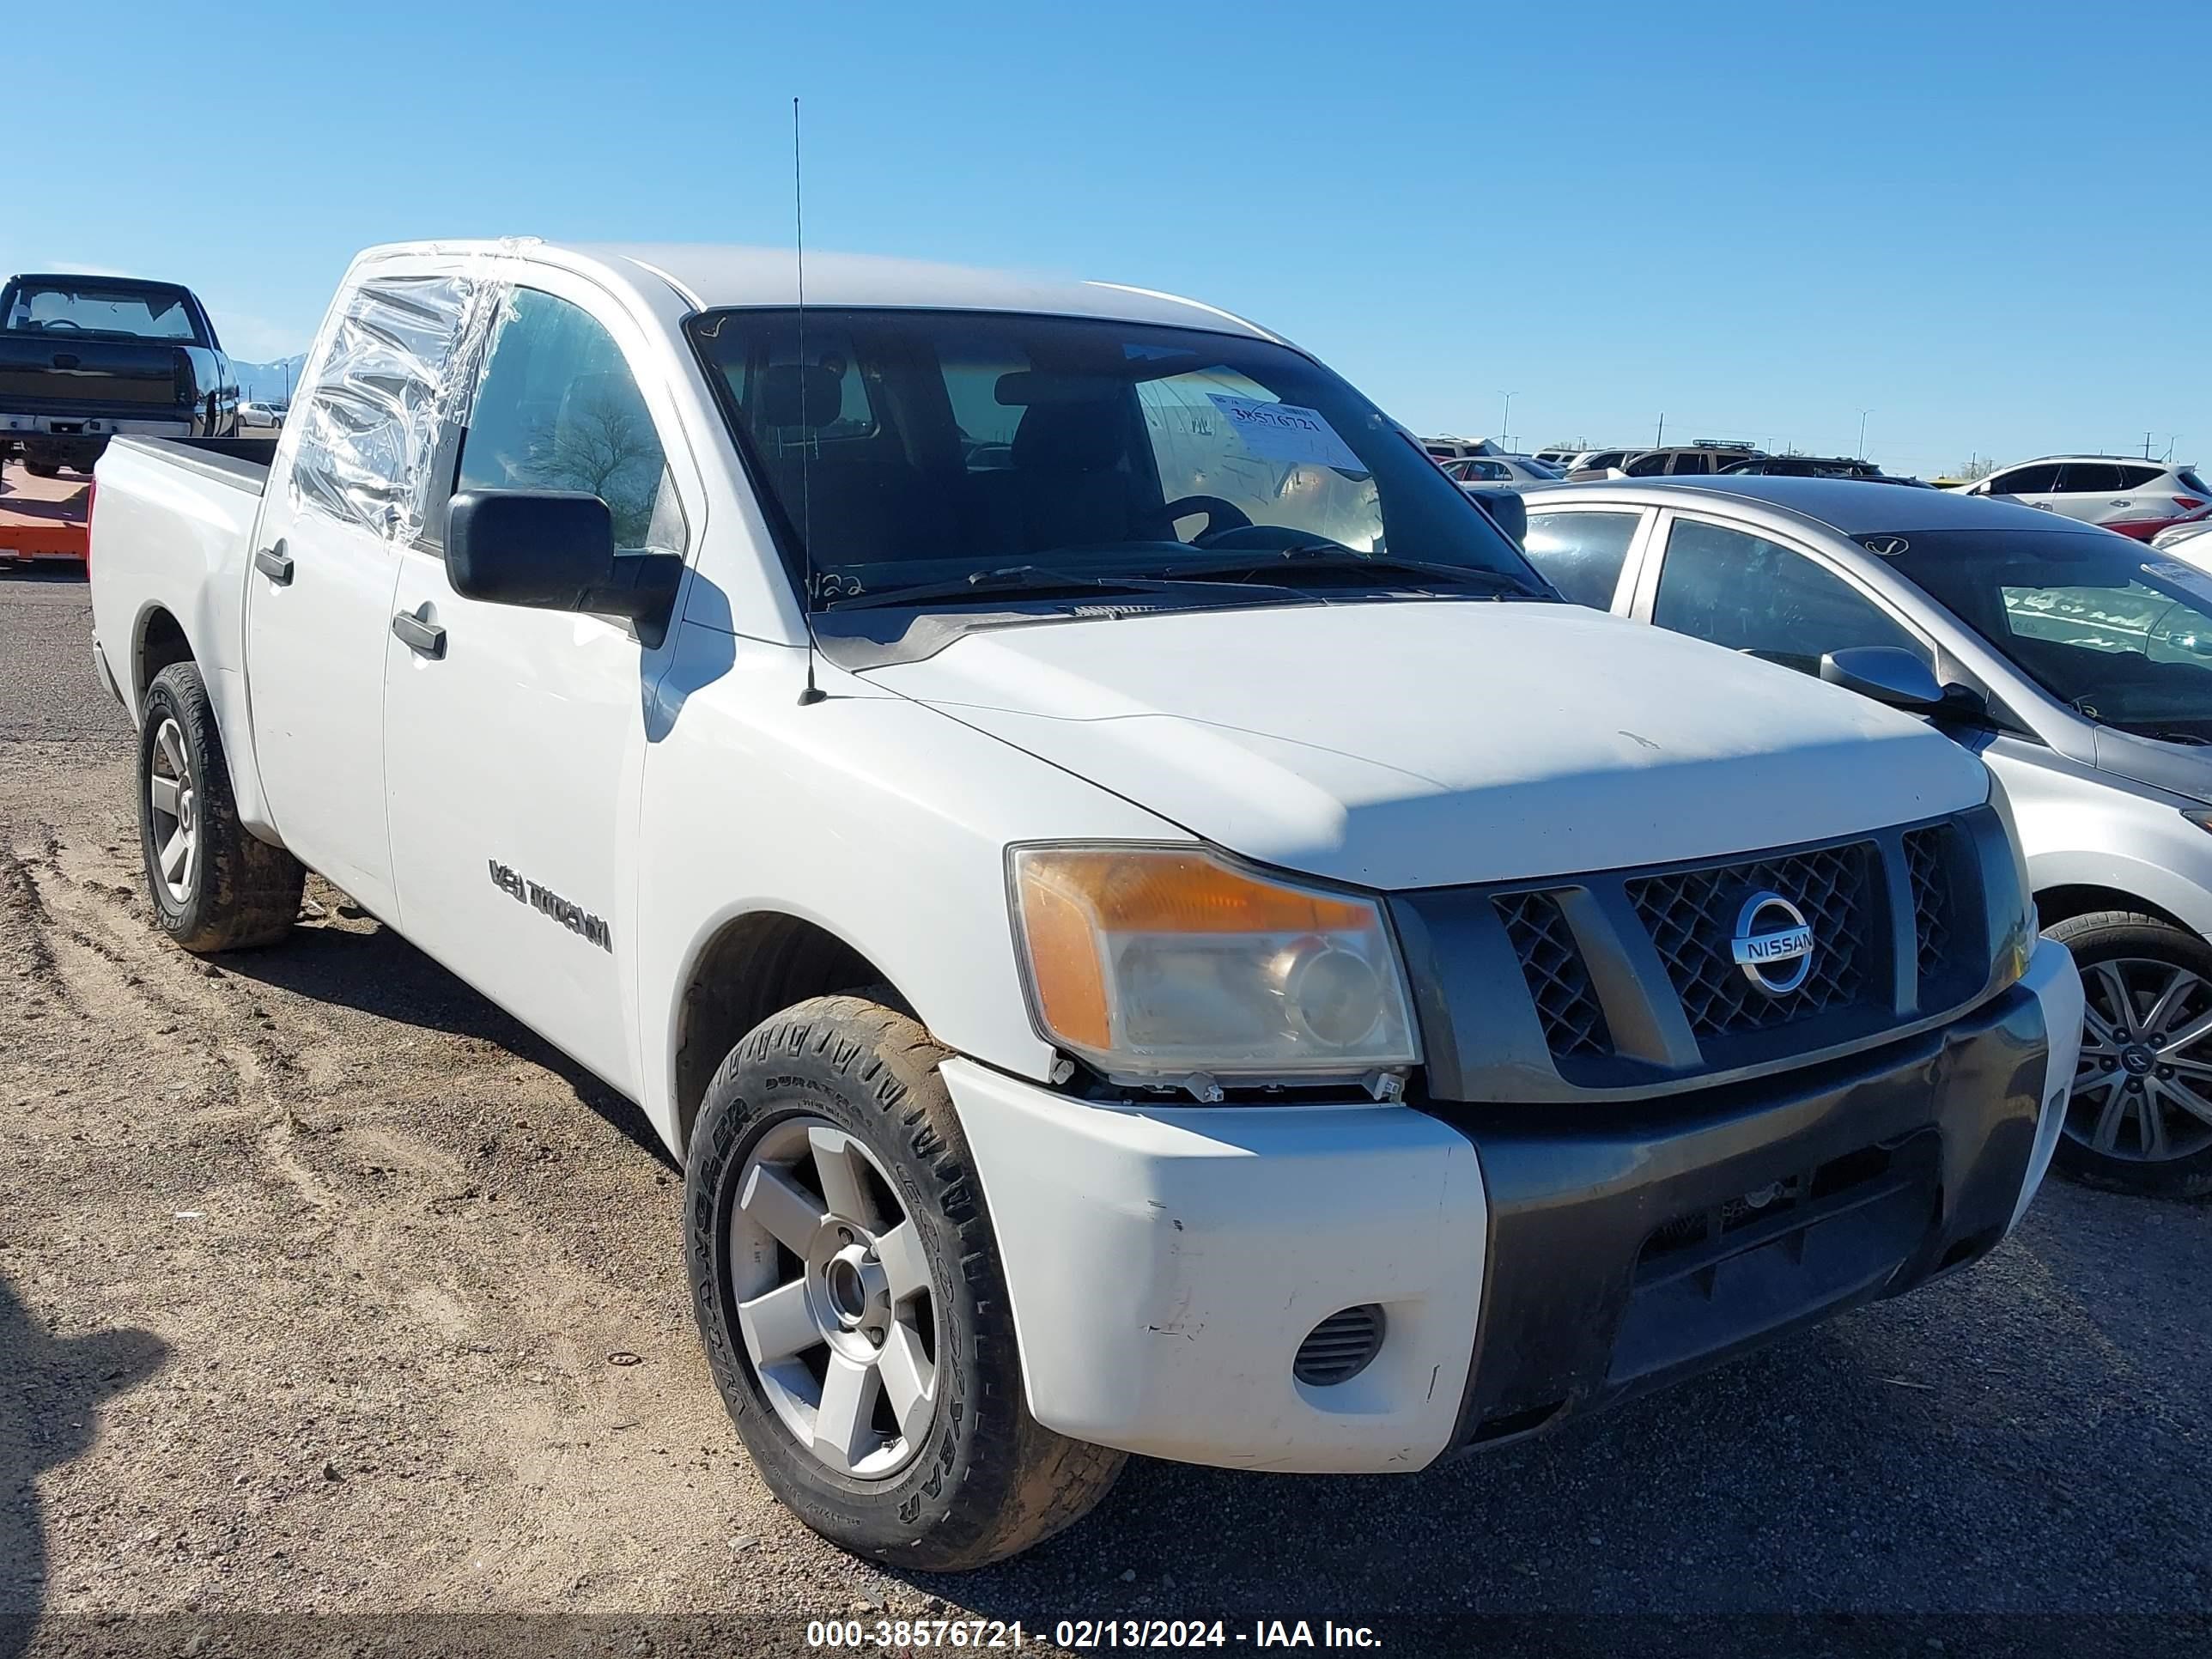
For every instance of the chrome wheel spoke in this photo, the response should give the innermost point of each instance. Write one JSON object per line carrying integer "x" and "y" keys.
{"x": 2169, "y": 1000}
{"x": 2121, "y": 1006}
{"x": 904, "y": 1265}
{"x": 2097, "y": 1030}
{"x": 164, "y": 792}
{"x": 841, "y": 1433}
{"x": 2186, "y": 1068}
{"x": 2186, "y": 1037}
{"x": 837, "y": 1166}
{"x": 2150, "y": 1137}
{"x": 909, "y": 1382}
{"x": 174, "y": 854}
{"x": 2184, "y": 1098}
{"x": 778, "y": 1325}
{"x": 2106, "y": 1135}
{"x": 172, "y": 744}
{"x": 791, "y": 1214}
{"x": 2086, "y": 1086}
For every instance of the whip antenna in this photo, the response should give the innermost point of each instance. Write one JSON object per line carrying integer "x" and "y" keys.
{"x": 813, "y": 693}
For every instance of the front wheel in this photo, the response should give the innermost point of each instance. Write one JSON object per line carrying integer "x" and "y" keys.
{"x": 215, "y": 887}
{"x": 2140, "y": 1118}
{"x": 856, "y": 1314}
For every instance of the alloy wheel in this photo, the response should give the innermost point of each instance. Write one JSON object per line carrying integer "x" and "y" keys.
{"x": 172, "y": 803}
{"x": 2143, "y": 1091}
{"x": 834, "y": 1298}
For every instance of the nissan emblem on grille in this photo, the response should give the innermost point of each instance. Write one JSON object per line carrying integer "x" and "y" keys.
{"x": 1772, "y": 943}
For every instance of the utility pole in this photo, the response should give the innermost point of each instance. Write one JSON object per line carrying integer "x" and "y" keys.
{"x": 2146, "y": 445}
{"x": 1661, "y": 440}
{"x": 1505, "y": 424}
{"x": 1862, "y": 418}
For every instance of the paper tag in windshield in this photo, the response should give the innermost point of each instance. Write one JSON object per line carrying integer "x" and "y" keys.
{"x": 2191, "y": 581}
{"x": 1285, "y": 431}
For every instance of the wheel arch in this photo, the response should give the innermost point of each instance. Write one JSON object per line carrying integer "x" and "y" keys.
{"x": 751, "y": 966}
{"x": 158, "y": 640}
{"x": 2065, "y": 900}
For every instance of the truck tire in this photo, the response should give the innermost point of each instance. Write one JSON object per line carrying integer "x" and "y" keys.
{"x": 43, "y": 469}
{"x": 840, "y": 1251}
{"x": 2139, "y": 1120}
{"x": 215, "y": 887}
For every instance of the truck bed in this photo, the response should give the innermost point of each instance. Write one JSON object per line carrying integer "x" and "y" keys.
{"x": 242, "y": 462}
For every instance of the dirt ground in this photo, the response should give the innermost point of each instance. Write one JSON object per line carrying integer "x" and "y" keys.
{"x": 327, "y": 1290}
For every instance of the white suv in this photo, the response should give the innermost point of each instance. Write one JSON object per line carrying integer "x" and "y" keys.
{"x": 2135, "y": 497}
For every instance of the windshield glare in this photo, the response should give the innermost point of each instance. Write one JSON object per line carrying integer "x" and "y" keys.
{"x": 2117, "y": 630}
{"x": 912, "y": 448}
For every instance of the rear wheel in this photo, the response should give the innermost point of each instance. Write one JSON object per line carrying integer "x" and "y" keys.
{"x": 43, "y": 469}
{"x": 849, "y": 1289}
{"x": 2140, "y": 1118}
{"x": 215, "y": 887}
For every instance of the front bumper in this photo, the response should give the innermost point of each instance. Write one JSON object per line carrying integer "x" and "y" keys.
{"x": 1165, "y": 1264}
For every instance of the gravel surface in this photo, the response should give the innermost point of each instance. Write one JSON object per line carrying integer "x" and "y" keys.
{"x": 321, "y": 1283}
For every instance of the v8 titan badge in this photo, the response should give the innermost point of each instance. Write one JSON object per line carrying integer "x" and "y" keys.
{"x": 1773, "y": 944}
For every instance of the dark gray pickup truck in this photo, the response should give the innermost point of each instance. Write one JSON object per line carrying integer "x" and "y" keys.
{"x": 83, "y": 358}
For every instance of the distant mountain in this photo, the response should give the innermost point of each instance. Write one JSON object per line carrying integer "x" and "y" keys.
{"x": 268, "y": 383}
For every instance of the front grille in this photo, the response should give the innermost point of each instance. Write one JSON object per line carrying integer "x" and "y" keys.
{"x": 1552, "y": 965}
{"x": 1931, "y": 873}
{"x": 1692, "y": 916}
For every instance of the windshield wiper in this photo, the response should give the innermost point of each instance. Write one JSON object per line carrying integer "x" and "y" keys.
{"x": 1030, "y": 579}
{"x": 1330, "y": 556}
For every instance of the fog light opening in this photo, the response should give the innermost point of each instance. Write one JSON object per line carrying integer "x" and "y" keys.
{"x": 1340, "y": 1348}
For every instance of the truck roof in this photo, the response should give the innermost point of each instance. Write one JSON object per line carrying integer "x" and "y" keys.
{"x": 711, "y": 275}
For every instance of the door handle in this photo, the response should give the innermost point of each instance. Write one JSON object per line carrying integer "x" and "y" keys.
{"x": 274, "y": 563}
{"x": 425, "y": 638}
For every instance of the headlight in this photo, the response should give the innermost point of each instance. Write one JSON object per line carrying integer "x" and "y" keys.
{"x": 1156, "y": 963}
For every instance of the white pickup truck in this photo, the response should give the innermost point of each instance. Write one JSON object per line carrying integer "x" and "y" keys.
{"x": 1150, "y": 926}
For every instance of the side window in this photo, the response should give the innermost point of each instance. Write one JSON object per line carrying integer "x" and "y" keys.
{"x": 1648, "y": 466}
{"x": 2089, "y": 478}
{"x": 2025, "y": 481}
{"x": 558, "y": 409}
{"x": 372, "y": 421}
{"x": 1581, "y": 553}
{"x": 1689, "y": 461}
{"x": 2134, "y": 477}
{"x": 1745, "y": 592}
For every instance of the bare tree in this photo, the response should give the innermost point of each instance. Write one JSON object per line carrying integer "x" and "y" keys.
{"x": 1973, "y": 469}
{"x": 604, "y": 447}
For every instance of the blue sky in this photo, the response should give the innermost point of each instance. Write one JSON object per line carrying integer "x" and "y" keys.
{"x": 1986, "y": 225}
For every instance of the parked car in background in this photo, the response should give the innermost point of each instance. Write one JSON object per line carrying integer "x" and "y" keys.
{"x": 2077, "y": 664}
{"x": 2137, "y": 498}
{"x": 1691, "y": 460}
{"x": 1560, "y": 458}
{"x": 1596, "y": 463}
{"x": 1212, "y": 986}
{"x": 1501, "y": 472}
{"x": 1802, "y": 466}
{"x": 262, "y": 414}
{"x": 1453, "y": 449}
{"x": 83, "y": 358}
{"x": 2182, "y": 535}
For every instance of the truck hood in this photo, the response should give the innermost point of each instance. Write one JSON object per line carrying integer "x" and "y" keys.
{"x": 1425, "y": 743}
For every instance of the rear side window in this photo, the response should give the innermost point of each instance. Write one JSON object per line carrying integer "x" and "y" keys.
{"x": 1647, "y": 466}
{"x": 2088, "y": 478}
{"x": 2191, "y": 482}
{"x": 1747, "y": 593}
{"x": 558, "y": 409}
{"x": 1581, "y": 553}
{"x": 1688, "y": 462}
{"x": 381, "y": 399}
{"x": 2134, "y": 477}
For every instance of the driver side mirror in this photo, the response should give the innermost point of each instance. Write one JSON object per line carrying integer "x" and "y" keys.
{"x": 554, "y": 550}
{"x": 1890, "y": 675}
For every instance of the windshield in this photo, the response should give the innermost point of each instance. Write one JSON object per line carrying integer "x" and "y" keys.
{"x": 917, "y": 448}
{"x": 116, "y": 311}
{"x": 2119, "y": 631}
